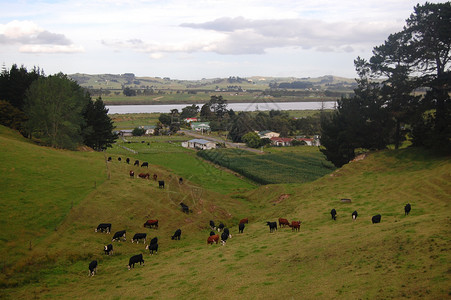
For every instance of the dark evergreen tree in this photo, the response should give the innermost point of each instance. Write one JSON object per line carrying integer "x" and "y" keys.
{"x": 98, "y": 130}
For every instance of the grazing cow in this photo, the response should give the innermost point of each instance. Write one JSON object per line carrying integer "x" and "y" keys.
{"x": 407, "y": 209}
{"x": 108, "y": 249}
{"x": 177, "y": 235}
{"x": 153, "y": 241}
{"x": 333, "y": 213}
{"x": 136, "y": 163}
{"x": 212, "y": 233}
{"x": 144, "y": 175}
{"x": 145, "y": 164}
{"x": 134, "y": 260}
{"x": 104, "y": 227}
{"x": 283, "y": 222}
{"x": 241, "y": 227}
{"x": 213, "y": 239}
{"x": 92, "y": 267}
{"x": 155, "y": 176}
{"x": 119, "y": 158}
{"x": 272, "y": 226}
{"x": 118, "y": 235}
{"x": 127, "y": 160}
{"x": 226, "y": 231}
{"x": 220, "y": 227}
{"x": 139, "y": 236}
{"x": 212, "y": 225}
{"x": 153, "y": 246}
{"x": 185, "y": 208}
{"x": 224, "y": 237}
{"x": 161, "y": 184}
{"x": 109, "y": 158}
{"x": 132, "y": 174}
{"x": 151, "y": 223}
{"x": 354, "y": 215}
{"x": 180, "y": 180}
{"x": 242, "y": 221}
{"x": 295, "y": 225}
{"x": 376, "y": 219}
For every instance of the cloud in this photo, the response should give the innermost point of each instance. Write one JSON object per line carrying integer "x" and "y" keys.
{"x": 33, "y": 39}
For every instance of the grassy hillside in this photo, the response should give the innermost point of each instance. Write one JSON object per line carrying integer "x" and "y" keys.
{"x": 402, "y": 257}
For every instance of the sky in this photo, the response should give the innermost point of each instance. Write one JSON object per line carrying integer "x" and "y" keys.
{"x": 191, "y": 40}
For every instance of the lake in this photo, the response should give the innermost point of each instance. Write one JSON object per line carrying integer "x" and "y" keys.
{"x": 254, "y": 106}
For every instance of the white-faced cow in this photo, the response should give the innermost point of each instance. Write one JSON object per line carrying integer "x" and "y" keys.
{"x": 132, "y": 174}
{"x": 212, "y": 225}
{"x": 226, "y": 231}
{"x": 224, "y": 237}
{"x": 92, "y": 267}
{"x": 118, "y": 235}
{"x": 333, "y": 213}
{"x": 139, "y": 236}
{"x": 177, "y": 234}
{"x": 407, "y": 209}
{"x": 134, "y": 260}
{"x": 220, "y": 227}
{"x": 376, "y": 219}
{"x": 108, "y": 249}
{"x": 153, "y": 246}
{"x": 354, "y": 215}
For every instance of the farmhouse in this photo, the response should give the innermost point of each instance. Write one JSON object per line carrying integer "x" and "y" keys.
{"x": 149, "y": 129}
{"x": 200, "y": 126}
{"x": 125, "y": 132}
{"x": 267, "y": 134}
{"x": 278, "y": 141}
{"x": 200, "y": 144}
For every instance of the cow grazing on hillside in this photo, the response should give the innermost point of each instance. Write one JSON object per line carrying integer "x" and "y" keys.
{"x": 109, "y": 158}
{"x": 151, "y": 223}
{"x": 272, "y": 226}
{"x": 180, "y": 180}
{"x": 132, "y": 174}
{"x": 92, "y": 268}
{"x": 153, "y": 246}
{"x": 155, "y": 176}
{"x": 226, "y": 231}
{"x": 177, "y": 234}
{"x": 241, "y": 227}
{"x": 295, "y": 225}
{"x": 354, "y": 215}
{"x": 407, "y": 209}
{"x": 376, "y": 219}
{"x": 242, "y": 221}
{"x": 213, "y": 239}
{"x": 118, "y": 235}
{"x": 212, "y": 225}
{"x": 185, "y": 208}
{"x": 161, "y": 184}
{"x": 333, "y": 213}
{"x": 283, "y": 222}
{"x": 220, "y": 227}
{"x": 139, "y": 236}
{"x": 119, "y": 158}
{"x": 145, "y": 164}
{"x": 108, "y": 249}
{"x": 134, "y": 260}
{"x": 136, "y": 163}
{"x": 127, "y": 160}
{"x": 224, "y": 237}
{"x": 144, "y": 175}
{"x": 104, "y": 227}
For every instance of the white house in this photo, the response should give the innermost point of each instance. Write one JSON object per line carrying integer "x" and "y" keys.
{"x": 200, "y": 126}
{"x": 200, "y": 144}
{"x": 149, "y": 129}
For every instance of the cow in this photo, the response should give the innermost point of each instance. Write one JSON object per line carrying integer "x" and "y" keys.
{"x": 241, "y": 227}
{"x": 224, "y": 237}
{"x": 104, "y": 227}
{"x": 354, "y": 215}
{"x": 242, "y": 221}
{"x": 153, "y": 241}
{"x": 108, "y": 249}
{"x": 212, "y": 233}
{"x": 226, "y": 231}
{"x": 109, "y": 158}
{"x": 139, "y": 236}
{"x": 407, "y": 209}
{"x": 161, "y": 184}
{"x": 136, "y": 163}
{"x": 118, "y": 235}
{"x": 132, "y": 174}
{"x": 155, "y": 176}
{"x": 177, "y": 235}
{"x": 213, "y": 239}
{"x": 376, "y": 219}
{"x": 272, "y": 226}
{"x": 333, "y": 213}
{"x": 212, "y": 225}
{"x": 119, "y": 158}
{"x": 127, "y": 160}
{"x": 92, "y": 268}
{"x": 295, "y": 225}
{"x": 145, "y": 164}
{"x": 144, "y": 175}
{"x": 153, "y": 246}
{"x": 220, "y": 227}
{"x": 185, "y": 208}
{"x": 180, "y": 180}
{"x": 283, "y": 222}
{"x": 151, "y": 223}
{"x": 134, "y": 260}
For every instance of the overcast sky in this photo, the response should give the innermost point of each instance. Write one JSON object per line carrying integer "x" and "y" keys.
{"x": 193, "y": 39}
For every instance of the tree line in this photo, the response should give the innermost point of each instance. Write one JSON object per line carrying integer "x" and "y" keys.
{"x": 54, "y": 110}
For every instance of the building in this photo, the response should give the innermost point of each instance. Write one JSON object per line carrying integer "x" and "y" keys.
{"x": 200, "y": 144}
{"x": 150, "y": 130}
{"x": 281, "y": 142}
{"x": 125, "y": 132}
{"x": 267, "y": 134}
{"x": 189, "y": 120}
{"x": 200, "y": 126}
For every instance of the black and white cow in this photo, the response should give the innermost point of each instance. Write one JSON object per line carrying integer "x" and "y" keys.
{"x": 177, "y": 234}
{"x": 161, "y": 184}
{"x": 136, "y": 163}
{"x": 241, "y": 228}
{"x": 220, "y": 227}
{"x": 134, "y": 260}
{"x": 272, "y": 226}
{"x": 333, "y": 213}
{"x": 354, "y": 215}
{"x": 376, "y": 219}
{"x": 407, "y": 209}
{"x": 145, "y": 164}
{"x": 226, "y": 231}
{"x": 108, "y": 249}
{"x": 92, "y": 268}
{"x": 224, "y": 237}
{"x": 212, "y": 225}
{"x": 153, "y": 246}
{"x": 139, "y": 236}
{"x": 104, "y": 227}
{"x": 118, "y": 235}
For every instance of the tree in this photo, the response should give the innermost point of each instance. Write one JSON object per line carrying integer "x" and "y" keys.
{"x": 165, "y": 119}
{"x": 189, "y": 111}
{"x": 138, "y": 131}
{"x": 98, "y": 130}
{"x": 11, "y": 116}
{"x": 129, "y": 92}
{"x": 251, "y": 139}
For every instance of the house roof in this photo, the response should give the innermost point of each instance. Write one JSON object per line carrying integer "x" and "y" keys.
{"x": 280, "y": 139}
{"x": 199, "y": 141}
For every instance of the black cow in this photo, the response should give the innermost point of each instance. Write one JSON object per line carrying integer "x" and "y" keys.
{"x": 108, "y": 249}
{"x": 139, "y": 236}
{"x": 127, "y": 160}
{"x": 212, "y": 233}
{"x": 212, "y": 225}
{"x": 134, "y": 260}
{"x": 153, "y": 241}
{"x": 220, "y": 227}
{"x": 118, "y": 235}
{"x": 145, "y": 164}
{"x": 92, "y": 268}
{"x": 177, "y": 234}
{"x": 224, "y": 237}
{"x": 241, "y": 227}
{"x": 109, "y": 158}
{"x": 136, "y": 163}
{"x": 376, "y": 219}
{"x": 104, "y": 227}
{"x": 333, "y": 213}
{"x": 272, "y": 226}
{"x": 161, "y": 184}
{"x": 180, "y": 180}
{"x": 185, "y": 208}
{"x": 226, "y": 231}
{"x": 407, "y": 209}
{"x": 354, "y": 215}
{"x": 153, "y": 246}
{"x": 119, "y": 159}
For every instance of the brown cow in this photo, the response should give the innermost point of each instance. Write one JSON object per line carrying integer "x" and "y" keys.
{"x": 242, "y": 221}
{"x": 155, "y": 176}
{"x": 295, "y": 225}
{"x": 132, "y": 174}
{"x": 151, "y": 223}
{"x": 213, "y": 239}
{"x": 283, "y": 222}
{"x": 144, "y": 175}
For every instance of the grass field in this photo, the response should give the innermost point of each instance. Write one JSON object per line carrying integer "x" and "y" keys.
{"x": 402, "y": 257}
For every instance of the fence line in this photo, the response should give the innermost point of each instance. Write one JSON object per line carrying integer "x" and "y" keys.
{"x": 131, "y": 150}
